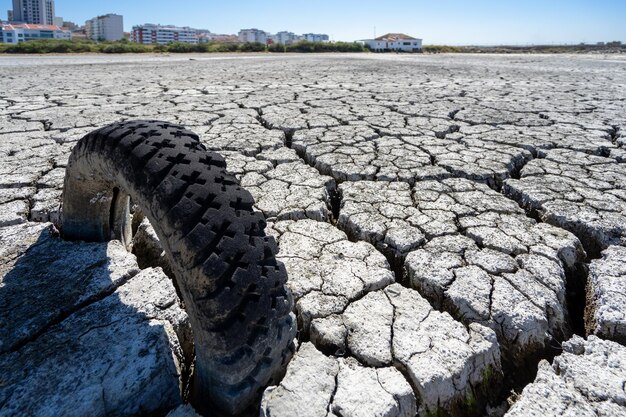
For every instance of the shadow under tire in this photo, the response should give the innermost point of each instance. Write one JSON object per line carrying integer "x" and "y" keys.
{"x": 225, "y": 266}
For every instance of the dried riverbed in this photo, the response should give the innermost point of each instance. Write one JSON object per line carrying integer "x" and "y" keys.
{"x": 450, "y": 224}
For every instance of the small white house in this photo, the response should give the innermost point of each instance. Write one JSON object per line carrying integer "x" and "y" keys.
{"x": 394, "y": 42}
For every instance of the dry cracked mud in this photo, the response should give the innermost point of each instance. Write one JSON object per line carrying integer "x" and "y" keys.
{"x": 587, "y": 379}
{"x": 454, "y": 229}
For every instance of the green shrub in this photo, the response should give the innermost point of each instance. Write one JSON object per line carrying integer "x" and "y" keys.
{"x": 223, "y": 47}
{"x": 437, "y": 49}
{"x": 181, "y": 47}
{"x": 276, "y": 47}
{"x": 252, "y": 47}
{"x": 305, "y": 46}
{"x": 125, "y": 48}
{"x": 47, "y": 46}
{"x": 346, "y": 47}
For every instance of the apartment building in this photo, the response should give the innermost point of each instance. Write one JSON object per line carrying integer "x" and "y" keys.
{"x": 109, "y": 27}
{"x": 16, "y": 33}
{"x": 207, "y": 36}
{"x": 39, "y": 12}
{"x": 162, "y": 35}
{"x": 253, "y": 35}
{"x": 315, "y": 37}
{"x": 285, "y": 38}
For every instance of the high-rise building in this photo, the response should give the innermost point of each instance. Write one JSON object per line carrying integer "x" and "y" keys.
{"x": 162, "y": 35}
{"x": 109, "y": 27}
{"x": 10, "y": 15}
{"x": 34, "y": 11}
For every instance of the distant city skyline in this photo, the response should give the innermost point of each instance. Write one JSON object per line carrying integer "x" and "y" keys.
{"x": 453, "y": 22}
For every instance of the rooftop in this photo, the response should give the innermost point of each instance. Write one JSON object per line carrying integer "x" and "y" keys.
{"x": 392, "y": 37}
{"x": 11, "y": 26}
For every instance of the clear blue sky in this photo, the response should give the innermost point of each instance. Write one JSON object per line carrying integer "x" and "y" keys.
{"x": 437, "y": 21}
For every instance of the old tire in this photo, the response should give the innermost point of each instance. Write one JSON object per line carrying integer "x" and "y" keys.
{"x": 233, "y": 287}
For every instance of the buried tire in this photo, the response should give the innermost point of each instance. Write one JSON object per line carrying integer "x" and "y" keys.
{"x": 232, "y": 286}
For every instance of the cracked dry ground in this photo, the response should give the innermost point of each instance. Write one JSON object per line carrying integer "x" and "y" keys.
{"x": 454, "y": 229}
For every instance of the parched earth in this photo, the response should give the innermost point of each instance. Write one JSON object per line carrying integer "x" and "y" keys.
{"x": 454, "y": 229}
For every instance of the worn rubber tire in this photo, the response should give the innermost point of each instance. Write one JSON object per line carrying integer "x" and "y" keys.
{"x": 225, "y": 266}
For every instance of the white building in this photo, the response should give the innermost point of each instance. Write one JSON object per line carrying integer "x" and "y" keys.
{"x": 207, "y": 36}
{"x": 394, "y": 42}
{"x": 285, "y": 38}
{"x": 109, "y": 27}
{"x": 219, "y": 37}
{"x": 162, "y": 35}
{"x": 34, "y": 11}
{"x": 252, "y": 35}
{"x": 16, "y": 33}
{"x": 315, "y": 37}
